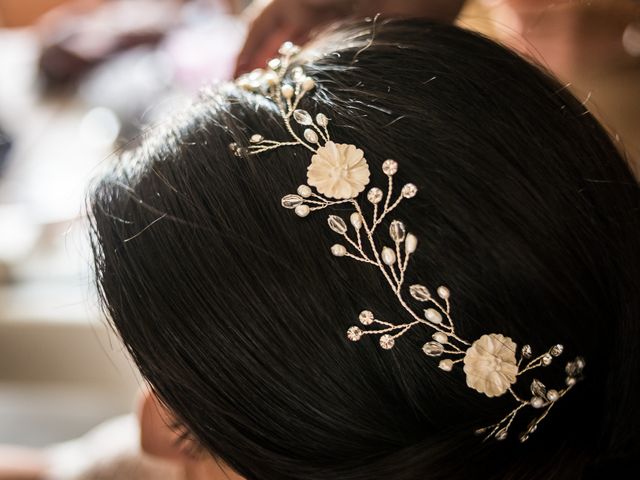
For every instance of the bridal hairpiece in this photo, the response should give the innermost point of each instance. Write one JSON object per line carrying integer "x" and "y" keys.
{"x": 339, "y": 173}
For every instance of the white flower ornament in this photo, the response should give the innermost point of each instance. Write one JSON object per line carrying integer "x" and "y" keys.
{"x": 340, "y": 173}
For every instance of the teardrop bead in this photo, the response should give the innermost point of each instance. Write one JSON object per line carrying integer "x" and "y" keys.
{"x": 337, "y": 224}
{"x": 397, "y": 231}
{"x": 302, "y": 117}
{"x": 291, "y": 201}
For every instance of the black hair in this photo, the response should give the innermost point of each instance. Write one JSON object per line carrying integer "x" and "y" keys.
{"x": 235, "y": 311}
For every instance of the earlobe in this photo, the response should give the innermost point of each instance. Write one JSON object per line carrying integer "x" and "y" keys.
{"x": 156, "y": 436}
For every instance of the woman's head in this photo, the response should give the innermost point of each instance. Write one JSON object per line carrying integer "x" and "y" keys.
{"x": 235, "y": 311}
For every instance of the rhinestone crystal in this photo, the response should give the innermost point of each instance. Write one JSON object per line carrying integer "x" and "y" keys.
{"x": 354, "y": 334}
{"x": 374, "y": 195}
{"x": 409, "y": 190}
{"x": 420, "y": 293}
{"x": 433, "y": 349}
{"x": 366, "y": 317}
{"x": 387, "y": 341}
{"x": 389, "y": 167}
{"x": 397, "y": 231}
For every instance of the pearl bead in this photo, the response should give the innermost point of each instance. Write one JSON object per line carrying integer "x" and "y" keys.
{"x": 356, "y": 220}
{"x": 433, "y": 315}
{"x": 411, "y": 243}
{"x": 537, "y": 402}
{"x": 308, "y": 84}
{"x": 443, "y": 292}
{"x": 302, "y": 210}
{"x": 547, "y": 359}
{"x": 304, "y": 191}
{"x": 388, "y": 256}
{"x": 446, "y": 365}
{"x": 287, "y": 91}
{"x": 338, "y": 250}
{"x": 553, "y": 395}
{"x": 440, "y": 337}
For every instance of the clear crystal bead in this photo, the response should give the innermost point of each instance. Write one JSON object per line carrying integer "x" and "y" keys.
{"x": 291, "y": 201}
{"x": 374, "y": 195}
{"x": 389, "y": 167}
{"x": 420, "y": 293}
{"x": 354, "y": 334}
{"x": 556, "y": 350}
{"x": 538, "y": 389}
{"x": 409, "y": 190}
{"x": 322, "y": 120}
{"x": 302, "y": 117}
{"x": 366, "y": 317}
{"x": 397, "y": 231}
{"x": 433, "y": 349}
{"x": 527, "y": 352}
{"x": 387, "y": 341}
{"x": 337, "y": 224}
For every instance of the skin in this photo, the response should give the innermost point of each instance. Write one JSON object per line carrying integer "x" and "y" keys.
{"x": 275, "y": 21}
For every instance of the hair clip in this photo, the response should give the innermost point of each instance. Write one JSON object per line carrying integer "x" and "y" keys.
{"x": 339, "y": 174}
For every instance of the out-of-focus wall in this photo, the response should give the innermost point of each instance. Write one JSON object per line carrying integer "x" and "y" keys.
{"x": 20, "y": 13}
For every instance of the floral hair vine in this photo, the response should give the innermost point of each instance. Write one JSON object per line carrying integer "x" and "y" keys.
{"x": 339, "y": 173}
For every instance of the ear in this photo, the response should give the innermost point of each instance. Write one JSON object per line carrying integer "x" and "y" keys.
{"x": 156, "y": 437}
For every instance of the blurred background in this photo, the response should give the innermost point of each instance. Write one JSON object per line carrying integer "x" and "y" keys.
{"x": 80, "y": 79}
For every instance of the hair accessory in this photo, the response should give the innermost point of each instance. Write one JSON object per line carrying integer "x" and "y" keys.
{"x": 339, "y": 173}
